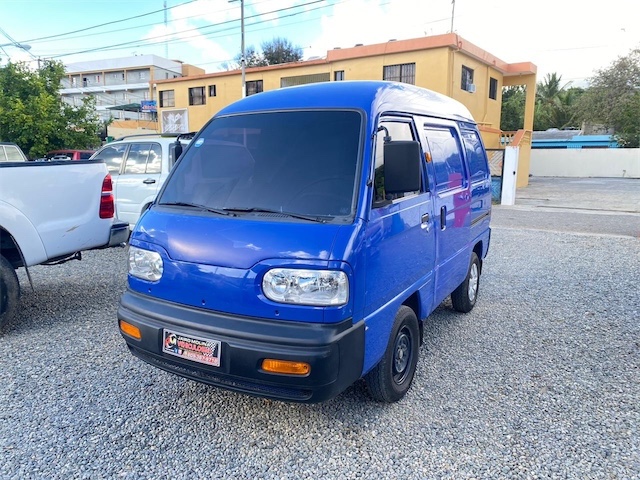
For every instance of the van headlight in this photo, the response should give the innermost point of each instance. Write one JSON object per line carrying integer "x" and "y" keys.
{"x": 145, "y": 264}
{"x": 306, "y": 287}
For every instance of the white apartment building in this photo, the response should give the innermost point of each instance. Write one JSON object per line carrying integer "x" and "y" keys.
{"x": 120, "y": 85}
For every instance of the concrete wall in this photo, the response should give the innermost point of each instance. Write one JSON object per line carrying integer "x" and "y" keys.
{"x": 590, "y": 162}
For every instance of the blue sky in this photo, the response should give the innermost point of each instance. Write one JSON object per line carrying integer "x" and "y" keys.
{"x": 558, "y": 36}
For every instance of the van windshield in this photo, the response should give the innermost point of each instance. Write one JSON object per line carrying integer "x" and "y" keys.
{"x": 297, "y": 162}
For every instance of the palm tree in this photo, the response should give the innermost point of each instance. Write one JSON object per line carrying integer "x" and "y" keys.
{"x": 554, "y": 103}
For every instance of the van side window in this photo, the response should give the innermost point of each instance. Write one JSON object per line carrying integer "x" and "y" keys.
{"x": 478, "y": 167}
{"x": 397, "y": 131}
{"x": 446, "y": 157}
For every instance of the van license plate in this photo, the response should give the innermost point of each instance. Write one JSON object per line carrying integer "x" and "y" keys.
{"x": 197, "y": 349}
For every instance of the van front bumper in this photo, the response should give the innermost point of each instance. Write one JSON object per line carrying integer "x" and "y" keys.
{"x": 335, "y": 352}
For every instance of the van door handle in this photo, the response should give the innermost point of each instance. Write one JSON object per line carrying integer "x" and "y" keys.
{"x": 443, "y": 218}
{"x": 424, "y": 222}
{"x": 149, "y": 181}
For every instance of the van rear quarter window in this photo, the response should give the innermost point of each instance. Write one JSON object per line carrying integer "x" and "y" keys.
{"x": 302, "y": 162}
{"x": 478, "y": 167}
{"x": 447, "y": 158}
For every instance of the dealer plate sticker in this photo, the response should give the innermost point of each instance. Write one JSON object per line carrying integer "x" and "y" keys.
{"x": 201, "y": 350}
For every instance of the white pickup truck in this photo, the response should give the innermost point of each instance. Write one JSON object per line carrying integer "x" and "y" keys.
{"x": 49, "y": 213}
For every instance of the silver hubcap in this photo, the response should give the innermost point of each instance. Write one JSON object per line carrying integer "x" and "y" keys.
{"x": 473, "y": 282}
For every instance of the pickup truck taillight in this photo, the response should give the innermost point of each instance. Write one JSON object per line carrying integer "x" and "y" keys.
{"x": 107, "y": 207}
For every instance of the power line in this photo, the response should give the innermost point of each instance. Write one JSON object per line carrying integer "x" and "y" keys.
{"x": 17, "y": 44}
{"x": 150, "y": 41}
{"x": 108, "y": 23}
{"x": 58, "y": 37}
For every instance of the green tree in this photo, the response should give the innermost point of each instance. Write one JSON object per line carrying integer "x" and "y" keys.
{"x": 251, "y": 58}
{"x": 33, "y": 115}
{"x": 613, "y": 99}
{"x": 276, "y": 51}
{"x": 555, "y": 103}
{"x": 512, "y": 116}
{"x": 280, "y": 50}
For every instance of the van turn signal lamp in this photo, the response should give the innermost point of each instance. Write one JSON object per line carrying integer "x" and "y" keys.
{"x": 285, "y": 366}
{"x": 130, "y": 330}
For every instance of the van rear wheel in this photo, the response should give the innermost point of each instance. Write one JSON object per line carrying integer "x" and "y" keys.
{"x": 464, "y": 297}
{"x": 9, "y": 291}
{"x": 390, "y": 380}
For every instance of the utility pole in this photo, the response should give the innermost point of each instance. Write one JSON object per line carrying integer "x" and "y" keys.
{"x": 453, "y": 9}
{"x": 166, "y": 42}
{"x": 242, "y": 60}
{"x": 242, "y": 57}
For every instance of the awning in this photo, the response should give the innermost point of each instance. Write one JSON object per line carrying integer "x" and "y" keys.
{"x": 129, "y": 107}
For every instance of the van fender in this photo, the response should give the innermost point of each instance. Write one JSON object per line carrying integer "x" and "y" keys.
{"x": 379, "y": 323}
{"x": 24, "y": 234}
{"x": 146, "y": 202}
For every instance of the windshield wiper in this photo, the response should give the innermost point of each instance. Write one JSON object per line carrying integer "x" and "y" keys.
{"x": 311, "y": 218}
{"x": 202, "y": 207}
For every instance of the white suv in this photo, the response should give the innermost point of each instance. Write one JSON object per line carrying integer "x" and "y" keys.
{"x": 139, "y": 165}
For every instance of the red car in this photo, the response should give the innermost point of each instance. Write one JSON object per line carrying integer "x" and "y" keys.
{"x": 69, "y": 154}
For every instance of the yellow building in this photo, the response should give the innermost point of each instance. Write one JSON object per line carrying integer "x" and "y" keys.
{"x": 447, "y": 64}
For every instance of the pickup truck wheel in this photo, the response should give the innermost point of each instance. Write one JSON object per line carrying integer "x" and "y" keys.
{"x": 9, "y": 291}
{"x": 464, "y": 297}
{"x": 391, "y": 378}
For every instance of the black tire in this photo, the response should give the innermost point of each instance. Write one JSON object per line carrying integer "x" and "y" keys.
{"x": 9, "y": 291}
{"x": 391, "y": 378}
{"x": 464, "y": 297}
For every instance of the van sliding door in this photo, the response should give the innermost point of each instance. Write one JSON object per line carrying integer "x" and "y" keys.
{"x": 451, "y": 202}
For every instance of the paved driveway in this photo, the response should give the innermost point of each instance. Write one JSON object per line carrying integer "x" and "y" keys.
{"x": 600, "y": 206}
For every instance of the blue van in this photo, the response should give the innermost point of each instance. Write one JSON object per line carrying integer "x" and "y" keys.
{"x": 304, "y": 237}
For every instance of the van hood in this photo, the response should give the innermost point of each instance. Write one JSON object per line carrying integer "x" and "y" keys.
{"x": 235, "y": 242}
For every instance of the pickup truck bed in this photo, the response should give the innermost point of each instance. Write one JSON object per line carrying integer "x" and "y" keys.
{"x": 51, "y": 211}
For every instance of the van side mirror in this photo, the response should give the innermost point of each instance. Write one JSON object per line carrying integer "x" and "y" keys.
{"x": 402, "y": 166}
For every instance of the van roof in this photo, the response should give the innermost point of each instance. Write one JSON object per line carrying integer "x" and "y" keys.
{"x": 375, "y": 96}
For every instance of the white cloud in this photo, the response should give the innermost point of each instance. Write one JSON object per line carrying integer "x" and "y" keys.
{"x": 377, "y": 21}
{"x": 188, "y": 33}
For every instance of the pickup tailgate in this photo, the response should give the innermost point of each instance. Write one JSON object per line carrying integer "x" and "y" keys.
{"x": 60, "y": 201}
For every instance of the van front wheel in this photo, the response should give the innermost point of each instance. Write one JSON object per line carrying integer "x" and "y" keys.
{"x": 391, "y": 378}
{"x": 464, "y": 297}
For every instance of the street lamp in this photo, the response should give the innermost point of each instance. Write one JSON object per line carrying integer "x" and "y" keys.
{"x": 23, "y": 46}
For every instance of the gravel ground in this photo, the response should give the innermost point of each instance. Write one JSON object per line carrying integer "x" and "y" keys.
{"x": 540, "y": 380}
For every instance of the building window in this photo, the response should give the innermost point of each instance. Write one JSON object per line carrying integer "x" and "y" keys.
{"x": 196, "y": 96}
{"x": 212, "y": 90}
{"x": 253, "y": 87}
{"x": 338, "y": 75}
{"x": 405, "y": 73}
{"x": 466, "y": 83}
{"x": 493, "y": 88}
{"x": 167, "y": 98}
{"x": 304, "y": 79}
